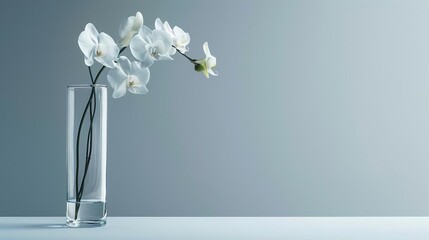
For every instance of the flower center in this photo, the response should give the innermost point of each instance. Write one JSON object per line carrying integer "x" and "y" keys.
{"x": 154, "y": 52}
{"x": 98, "y": 52}
{"x": 132, "y": 81}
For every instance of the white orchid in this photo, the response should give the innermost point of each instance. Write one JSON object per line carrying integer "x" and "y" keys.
{"x": 180, "y": 38}
{"x": 146, "y": 45}
{"x": 129, "y": 28}
{"x": 129, "y": 76}
{"x": 100, "y": 47}
{"x": 149, "y": 46}
{"x": 206, "y": 65}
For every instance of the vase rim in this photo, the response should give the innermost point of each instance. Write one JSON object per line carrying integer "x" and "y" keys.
{"x": 86, "y": 85}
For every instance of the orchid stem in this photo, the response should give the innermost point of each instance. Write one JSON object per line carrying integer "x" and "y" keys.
{"x": 90, "y": 74}
{"x": 186, "y": 56}
{"x": 92, "y": 105}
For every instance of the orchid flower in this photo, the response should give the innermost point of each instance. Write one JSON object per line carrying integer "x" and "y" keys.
{"x": 180, "y": 38}
{"x": 129, "y": 28}
{"x": 100, "y": 47}
{"x": 149, "y": 46}
{"x": 129, "y": 76}
{"x": 206, "y": 65}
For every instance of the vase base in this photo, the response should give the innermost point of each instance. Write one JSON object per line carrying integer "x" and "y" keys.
{"x": 85, "y": 224}
{"x": 86, "y": 214}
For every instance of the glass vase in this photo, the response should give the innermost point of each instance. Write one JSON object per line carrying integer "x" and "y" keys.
{"x": 86, "y": 155}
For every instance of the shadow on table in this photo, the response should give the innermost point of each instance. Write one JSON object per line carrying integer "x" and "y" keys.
{"x": 23, "y": 226}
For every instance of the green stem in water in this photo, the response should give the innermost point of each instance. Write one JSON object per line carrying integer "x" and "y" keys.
{"x": 77, "y": 155}
{"x": 89, "y": 141}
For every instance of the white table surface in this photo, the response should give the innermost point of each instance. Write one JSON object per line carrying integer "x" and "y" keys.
{"x": 221, "y": 228}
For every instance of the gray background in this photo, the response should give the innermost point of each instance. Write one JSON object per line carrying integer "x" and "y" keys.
{"x": 321, "y": 108}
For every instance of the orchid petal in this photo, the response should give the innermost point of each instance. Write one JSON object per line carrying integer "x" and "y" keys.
{"x": 139, "y": 89}
{"x": 117, "y": 80}
{"x": 138, "y": 47}
{"x": 130, "y": 27}
{"x": 165, "y": 57}
{"x": 178, "y": 31}
{"x": 172, "y": 51}
{"x": 89, "y": 60}
{"x": 126, "y": 27}
{"x": 86, "y": 43}
{"x": 107, "y": 51}
{"x": 206, "y": 73}
{"x": 116, "y": 77}
{"x": 211, "y": 62}
{"x": 138, "y": 22}
{"x": 159, "y": 45}
{"x": 168, "y": 29}
{"x": 213, "y": 72}
{"x": 131, "y": 24}
{"x": 124, "y": 65}
{"x": 142, "y": 73}
{"x": 147, "y": 61}
{"x": 206, "y": 49}
{"x": 121, "y": 90}
{"x": 158, "y": 24}
{"x": 92, "y": 31}
{"x": 146, "y": 34}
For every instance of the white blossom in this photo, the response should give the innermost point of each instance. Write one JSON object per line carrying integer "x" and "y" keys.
{"x": 205, "y": 65}
{"x": 149, "y": 46}
{"x": 180, "y": 38}
{"x": 100, "y": 47}
{"x": 129, "y": 28}
{"x": 129, "y": 76}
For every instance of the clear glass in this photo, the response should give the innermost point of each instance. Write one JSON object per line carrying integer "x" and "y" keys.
{"x": 86, "y": 155}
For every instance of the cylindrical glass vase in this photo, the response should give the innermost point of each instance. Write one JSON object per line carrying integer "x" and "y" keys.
{"x": 86, "y": 155}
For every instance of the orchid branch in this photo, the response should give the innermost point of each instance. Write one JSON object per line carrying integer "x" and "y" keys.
{"x": 147, "y": 46}
{"x": 92, "y": 98}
